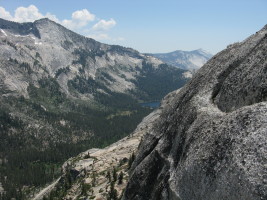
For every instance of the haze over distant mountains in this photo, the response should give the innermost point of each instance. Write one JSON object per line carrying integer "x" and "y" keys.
{"x": 188, "y": 60}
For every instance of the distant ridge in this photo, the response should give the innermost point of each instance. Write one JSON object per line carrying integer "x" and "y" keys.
{"x": 188, "y": 60}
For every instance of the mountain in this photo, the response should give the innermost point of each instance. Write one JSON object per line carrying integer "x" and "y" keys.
{"x": 188, "y": 60}
{"x": 45, "y": 49}
{"x": 62, "y": 93}
{"x": 206, "y": 141}
{"x": 210, "y": 141}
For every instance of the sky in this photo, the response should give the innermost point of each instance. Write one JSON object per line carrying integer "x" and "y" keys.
{"x": 149, "y": 26}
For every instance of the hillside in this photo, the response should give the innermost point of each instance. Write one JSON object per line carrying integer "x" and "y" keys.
{"x": 62, "y": 93}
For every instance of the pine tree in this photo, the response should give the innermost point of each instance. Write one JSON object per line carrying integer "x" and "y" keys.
{"x": 113, "y": 193}
{"x": 131, "y": 159}
{"x": 114, "y": 175}
{"x": 120, "y": 179}
{"x": 108, "y": 176}
{"x": 94, "y": 179}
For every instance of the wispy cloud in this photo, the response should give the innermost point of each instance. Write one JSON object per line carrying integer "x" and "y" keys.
{"x": 80, "y": 21}
{"x": 104, "y": 25}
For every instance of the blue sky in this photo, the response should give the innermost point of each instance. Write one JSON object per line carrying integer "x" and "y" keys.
{"x": 153, "y": 26}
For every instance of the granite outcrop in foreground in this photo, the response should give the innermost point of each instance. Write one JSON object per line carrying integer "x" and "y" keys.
{"x": 210, "y": 141}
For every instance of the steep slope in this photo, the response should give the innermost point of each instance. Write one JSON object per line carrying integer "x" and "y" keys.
{"x": 188, "y": 60}
{"x": 92, "y": 172}
{"x": 210, "y": 142}
{"x": 62, "y": 93}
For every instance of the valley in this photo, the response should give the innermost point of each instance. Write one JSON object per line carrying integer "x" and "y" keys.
{"x": 63, "y": 93}
{"x": 133, "y": 100}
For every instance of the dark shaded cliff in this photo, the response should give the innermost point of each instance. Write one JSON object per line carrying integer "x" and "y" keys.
{"x": 210, "y": 141}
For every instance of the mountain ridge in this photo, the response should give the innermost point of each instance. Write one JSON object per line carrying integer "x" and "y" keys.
{"x": 189, "y": 60}
{"x": 67, "y": 46}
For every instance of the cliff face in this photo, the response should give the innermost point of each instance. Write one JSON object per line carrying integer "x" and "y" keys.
{"x": 210, "y": 141}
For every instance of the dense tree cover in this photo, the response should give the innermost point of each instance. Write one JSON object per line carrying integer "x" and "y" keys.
{"x": 155, "y": 83}
{"x": 26, "y": 161}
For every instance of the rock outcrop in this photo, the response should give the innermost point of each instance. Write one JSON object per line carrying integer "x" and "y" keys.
{"x": 210, "y": 141}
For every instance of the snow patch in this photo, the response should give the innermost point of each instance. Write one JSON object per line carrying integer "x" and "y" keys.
{"x": 38, "y": 43}
{"x": 3, "y": 32}
{"x": 35, "y": 41}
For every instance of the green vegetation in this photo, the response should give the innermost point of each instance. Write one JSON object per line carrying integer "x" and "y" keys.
{"x": 113, "y": 193}
{"x": 120, "y": 178}
{"x": 155, "y": 83}
{"x": 83, "y": 55}
{"x": 34, "y": 145}
{"x": 130, "y": 161}
{"x": 62, "y": 70}
{"x": 40, "y": 132}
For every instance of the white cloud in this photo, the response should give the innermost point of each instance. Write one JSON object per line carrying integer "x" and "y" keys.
{"x": 79, "y": 19}
{"x": 104, "y": 25}
{"x": 27, "y": 14}
{"x": 5, "y": 14}
{"x": 83, "y": 15}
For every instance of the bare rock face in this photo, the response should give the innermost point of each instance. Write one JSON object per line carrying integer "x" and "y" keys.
{"x": 210, "y": 141}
